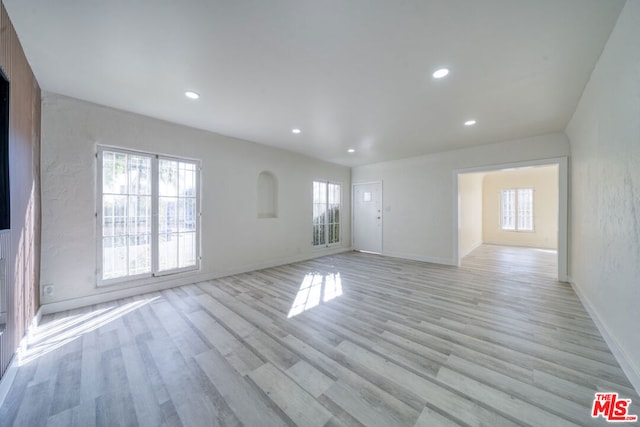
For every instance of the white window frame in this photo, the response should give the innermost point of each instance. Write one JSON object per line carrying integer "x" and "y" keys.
{"x": 155, "y": 257}
{"x": 516, "y": 214}
{"x": 326, "y": 224}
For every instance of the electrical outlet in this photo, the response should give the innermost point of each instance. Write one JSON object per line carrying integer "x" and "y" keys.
{"x": 47, "y": 290}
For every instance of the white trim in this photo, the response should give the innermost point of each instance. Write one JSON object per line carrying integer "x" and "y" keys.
{"x": 518, "y": 245}
{"x": 173, "y": 282}
{"x": 37, "y": 318}
{"x": 353, "y": 216}
{"x": 626, "y": 363}
{"x": 563, "y": 219}
{"x": 100, "y": 282}
{"x": 155, "y": 272}
{"x": 155, "y": 202}
{"x": 366, "y": 182}
{"x": 563, "y": 205}
{"x": 473, "y": 248}
{"x": 146, "y": 153}
{"x": 422, "y": 258}
{"x": 155, "y": 226}
{"x": 326, "y": 232}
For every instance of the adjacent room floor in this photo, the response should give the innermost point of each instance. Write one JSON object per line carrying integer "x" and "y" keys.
{"x": 352, "y": 339}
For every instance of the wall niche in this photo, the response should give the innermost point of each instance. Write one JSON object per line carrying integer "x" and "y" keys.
{"x": 267, "y": 195}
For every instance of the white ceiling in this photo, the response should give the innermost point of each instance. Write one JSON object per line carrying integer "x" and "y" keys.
{"x": 349, "y": 74}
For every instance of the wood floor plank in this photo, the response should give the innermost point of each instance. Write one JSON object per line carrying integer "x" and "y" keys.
{"x": 309, "y": 378}
{"x": 34, "y": 409}
{"x": 187, "y": 341}
{"x": 144, "y": 398}
{"x": 430, "y": 418}
{"x": 198, "y": 410}
{"x": 271, "y": 350}
{"x": 174, "y": 372}
{"x": 501, "y": 402}
{"x": 244, "y": 400}
{"x": 388, "y": 369}
{"x": 294, "y": 401}
{"x": 233, "y": 321}
{"x": 380, "y": 341}
{"x": 67, "y": 378}
{"x": 238, "y": 355}
{"x": 539, "y": 397}
{"x": 83, "y": 415}
{"x": 116, "y": 409}
{"x": 369, "y": 408}
{"x": 223, "y": 413}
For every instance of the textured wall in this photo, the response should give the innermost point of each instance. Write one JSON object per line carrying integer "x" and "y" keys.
{"x": 418, "y": 204}
{"x": 23, "y": 240}
{"x": 604, "y": 135}
{"x": 233, "y": 237}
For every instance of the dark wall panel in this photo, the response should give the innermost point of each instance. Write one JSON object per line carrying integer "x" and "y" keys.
{"x": 20, "y": 246}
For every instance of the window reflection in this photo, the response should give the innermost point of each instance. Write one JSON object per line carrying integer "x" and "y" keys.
{"x": 316, "y": 287}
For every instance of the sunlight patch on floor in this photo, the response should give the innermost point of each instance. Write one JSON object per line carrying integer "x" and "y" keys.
{"x": 316, "y": 287}
{"x": 55, "y": 334}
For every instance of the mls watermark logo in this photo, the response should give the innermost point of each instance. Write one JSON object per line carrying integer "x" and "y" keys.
{"x": 612, "y": 409}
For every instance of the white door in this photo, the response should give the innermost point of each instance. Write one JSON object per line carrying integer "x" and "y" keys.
{"x": 367, "y": 217}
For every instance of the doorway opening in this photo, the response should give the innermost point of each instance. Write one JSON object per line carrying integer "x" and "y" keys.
{"x": 513, "y": 205}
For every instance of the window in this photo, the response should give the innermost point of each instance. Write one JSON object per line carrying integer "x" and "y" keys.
{"x": 516, "y": 209}
{"x": 148, "y": 215}
{"x": 326, "y": 213}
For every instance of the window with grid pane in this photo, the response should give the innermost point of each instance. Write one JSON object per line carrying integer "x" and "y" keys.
{"x": 327, "y": 199}
{"x": 148, "y": 214}
{"x": 516, "y": 209}
{"x": 176, "y": 214}
{"x": 126, "y": 214}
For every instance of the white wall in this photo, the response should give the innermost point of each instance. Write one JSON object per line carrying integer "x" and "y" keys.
{"x": 233, "y": 237}
{"x": 544, "y": 181}
{"x": 470, "y": 217}
{"x": 605, "y": 189}
{"x": 418, "y": 193}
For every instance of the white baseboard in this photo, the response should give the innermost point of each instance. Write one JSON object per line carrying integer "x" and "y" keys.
{"x": 519, "y": 245}
{"x": 112, "y": 295}
{"x": 36, "y": 319}
{"x": 414, "y": 257}
{"x": 626, "y": 363}
{"x": 471, "y": 249}
{"x": 318, "y": 253}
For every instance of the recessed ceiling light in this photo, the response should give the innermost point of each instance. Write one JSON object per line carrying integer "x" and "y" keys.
{"x": 351, "y": 150}
{"x": 442, "y": 72}
{"x": 296, "y": 130}
{"x": 470, "y": 123}
{"x": 192, "y": 95}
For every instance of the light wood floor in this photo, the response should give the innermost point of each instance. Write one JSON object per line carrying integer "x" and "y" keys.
{"x": 352, "y": 339}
